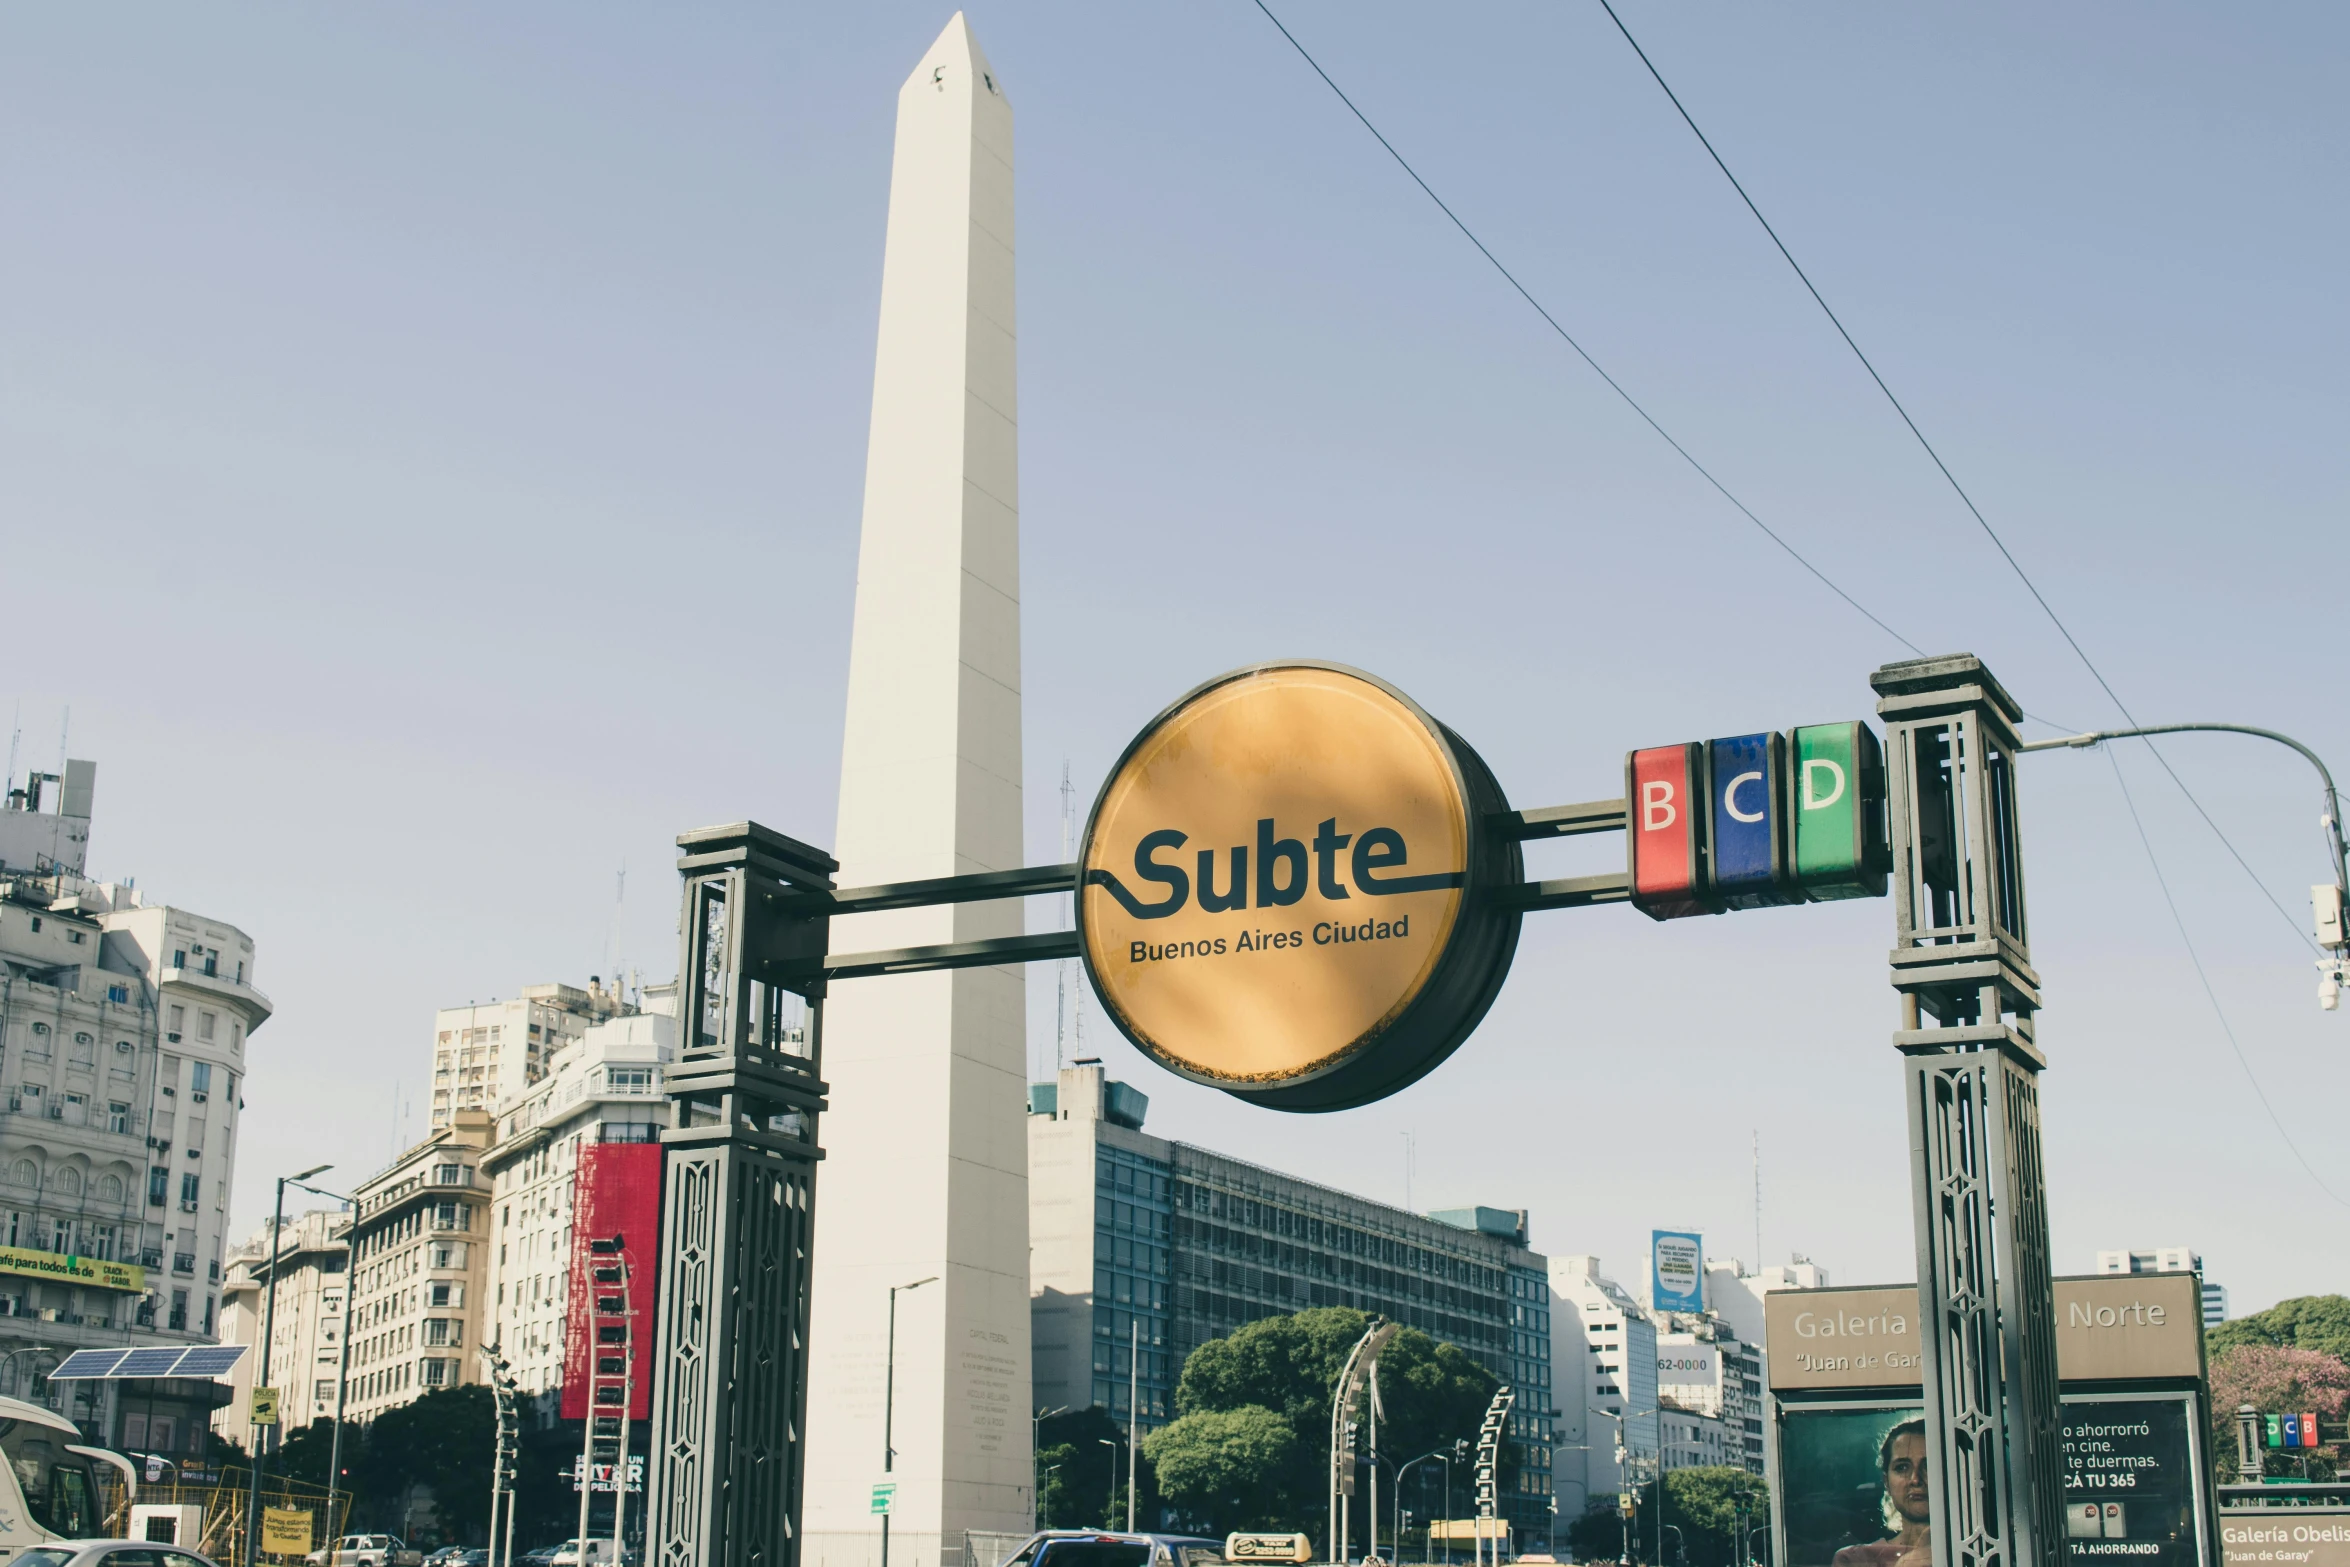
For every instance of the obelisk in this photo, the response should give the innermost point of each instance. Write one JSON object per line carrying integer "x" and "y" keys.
{"x": 926, "y": 1174}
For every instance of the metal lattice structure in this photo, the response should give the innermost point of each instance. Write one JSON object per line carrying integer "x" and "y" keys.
{"x": 730, "y": 1387}
{"x": 1962, "y": 966}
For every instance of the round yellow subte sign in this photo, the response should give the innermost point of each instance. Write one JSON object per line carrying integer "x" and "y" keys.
{"x": 1287, "y": 888}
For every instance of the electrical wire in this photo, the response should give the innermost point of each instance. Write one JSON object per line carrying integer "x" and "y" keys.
{"x": 2209, "y": 993}
{"x": 1568, "y": 338}
{"x": 1942, "y": 467}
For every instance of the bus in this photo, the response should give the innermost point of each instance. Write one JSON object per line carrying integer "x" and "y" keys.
{"x": 49, "y": 1486}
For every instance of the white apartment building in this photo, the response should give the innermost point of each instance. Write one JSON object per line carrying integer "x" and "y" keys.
{"x": 1704, "y": 1368}
{"x": 1693, "y": 1440}
{"x": 604, "y": 1087}
{"x": 2171, "y": 1259}
{"x": 1604, "y": 1378}
{"x": 418, "y": 1260}
{"x": 122, "y": 1042}
{"x": 1736, "y": 1296}
{"x": 306, "y": 1347}
{"x": 486, "y": 1054}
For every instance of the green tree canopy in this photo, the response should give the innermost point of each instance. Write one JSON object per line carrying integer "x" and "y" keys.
{"x": 1433, "y": 1395}
{"x": 1081, "y": 1484}
{"x": 1703, "y": 1510}
{"x": 1223, "y": 1467}
{"x": 2318, "y": 1322}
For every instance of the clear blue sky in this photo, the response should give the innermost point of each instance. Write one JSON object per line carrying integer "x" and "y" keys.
{"x": 431, "y": 443}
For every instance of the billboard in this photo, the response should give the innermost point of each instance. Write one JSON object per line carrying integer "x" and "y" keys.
{"x": 616, "y": 1191}
{"x": 1855, "y": 1485}
{"x": 1676, "y": 1277}
{"x": 1854, "y": 1481}
{"x": 2129, "y": 1480}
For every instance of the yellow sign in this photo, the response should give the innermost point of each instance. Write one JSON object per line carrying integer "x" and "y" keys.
{"x": 1468, "y": 1529}
{"x": 285, "y": 1531}
{"x": 265, "y": 1409}
{"x": 1287, "y": 888}
{"x": 74, "y": 1270}
{"x": 1268, "y": 1548}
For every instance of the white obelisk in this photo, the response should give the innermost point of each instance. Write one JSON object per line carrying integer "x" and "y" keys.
{"x": 926, "y": 1172}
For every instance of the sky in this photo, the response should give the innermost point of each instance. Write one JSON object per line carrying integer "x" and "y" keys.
{"x": 431, "y": 448}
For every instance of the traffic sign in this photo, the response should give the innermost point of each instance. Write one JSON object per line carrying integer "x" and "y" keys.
{"x": 2276, "y": 1432}
{"x": 885, "y": 1497}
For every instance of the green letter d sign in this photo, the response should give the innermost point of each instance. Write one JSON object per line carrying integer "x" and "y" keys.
{"x": 1839, "y": 790}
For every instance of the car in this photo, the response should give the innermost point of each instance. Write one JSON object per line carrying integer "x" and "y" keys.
{"x": 107, "y": 1553}
{"x": 1116, "y": 1548}
{"x": 367, "y": 1550}
{"x": 568, "y": 1554}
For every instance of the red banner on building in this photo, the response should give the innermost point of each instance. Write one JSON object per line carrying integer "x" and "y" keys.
{"x": 616, "y": 1194}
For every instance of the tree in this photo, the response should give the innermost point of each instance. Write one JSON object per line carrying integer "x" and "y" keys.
{"x": 1222, "y": 1467}
{"x": 1288, "y": 1366}
{"x": 2276, "y": 1379}
{"x": 307, "y": 1453}
{"x": 1703, "y": 1510}
{"x": 443, "y": 1441}
{"x": 1081, "y": 1479}
{"x": 2318, "y": 1322}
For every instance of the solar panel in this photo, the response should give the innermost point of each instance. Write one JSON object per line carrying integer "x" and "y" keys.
{"x": 87, "y": 1363}
{"x": 148, "y": 1362}
{"x": 209, "y": 1361}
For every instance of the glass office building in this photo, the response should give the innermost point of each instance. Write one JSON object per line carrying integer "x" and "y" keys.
{"x": 1144, "y": 1249}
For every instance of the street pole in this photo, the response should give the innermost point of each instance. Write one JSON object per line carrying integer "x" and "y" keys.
{"x": 2333, "y": 968}
{"x": 1036, "y": 1487}
{"x": 277, "y": 1225}
{"x": 1971, "y": 1064}
{"x": 627, "y": 1397}
{"x": 889, "y": 1397}
{"x": 1133, "y": 1416}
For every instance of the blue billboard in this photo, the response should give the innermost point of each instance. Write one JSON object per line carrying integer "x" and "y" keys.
{"x": 1676, "y": 1274}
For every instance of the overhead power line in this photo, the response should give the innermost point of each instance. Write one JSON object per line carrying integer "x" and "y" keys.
{"x": 1940, "y": 466}
{"x": 1581, "y": 352}
{"x": 2209, "y": 994}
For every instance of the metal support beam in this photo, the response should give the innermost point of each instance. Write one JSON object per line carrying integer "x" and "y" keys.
{"x": 1961, "y": 964}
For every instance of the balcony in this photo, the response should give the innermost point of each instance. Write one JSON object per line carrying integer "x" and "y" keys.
{"x": 234, "y": 992}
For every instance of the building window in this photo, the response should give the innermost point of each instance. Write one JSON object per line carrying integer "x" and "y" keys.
{"x": 448, "y": 1175}
{"x": 206, "y": 1020}
{"x": 158, "y": 1185}
{"x": 118, "y": 1118}
{"x": 178, "y": 1017}
{"x": 436, "y": 1373}
{"x": 191, "y": 1190}
{"x": 200, "y": 1074}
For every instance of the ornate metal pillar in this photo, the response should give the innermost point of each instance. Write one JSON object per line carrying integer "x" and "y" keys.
{"x": 730, "y": 1386}
{"x": 1971, "y": 1067}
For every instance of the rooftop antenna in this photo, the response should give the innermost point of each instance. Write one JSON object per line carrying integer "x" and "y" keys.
{"x": 1758, "y": 1251}
{"x": 15, "y": 733}
{"x": 611, "y": 963}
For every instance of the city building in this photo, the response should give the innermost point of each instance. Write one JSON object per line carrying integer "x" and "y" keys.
{"x": 1604, "y": 1355}
{"x": 606, "y": 1086}
{"x": 2171, "y": 1259}
{"x": 1694, "y": 1440}
{"x": 1139, "y": 1238}
{"x": 313, "y": 1271}
{"x": 122, "y": 1044}
{"x": 484, "y": 1054}
{"x": 1703, "y": 1367}
{"x": 418, "y": 1260}
{"x": 1736, "y": 1296}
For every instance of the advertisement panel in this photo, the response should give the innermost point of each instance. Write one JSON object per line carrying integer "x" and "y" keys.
{"x": 1854, "y": 1481}
{"x": 73, "y": 1270}
{"x": 2129, "y": 1480}
{"x": 1676, "y": 1273}
{"x": 616, "y": 1192}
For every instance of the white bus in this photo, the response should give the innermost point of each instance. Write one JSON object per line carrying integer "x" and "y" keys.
{"x": 49, "y": 1486}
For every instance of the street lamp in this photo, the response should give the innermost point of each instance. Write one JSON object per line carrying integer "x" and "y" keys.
{"x": 334, "y": 1451}
{"x": 277, "y": 1224}
{"x": 1113, "y": 1447}
{"x": 2334, "y": 967}
{"x": 889, "y": 1394}
{"x": 1036, "y": 1490}
{"x": 1444, "y": 1453}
